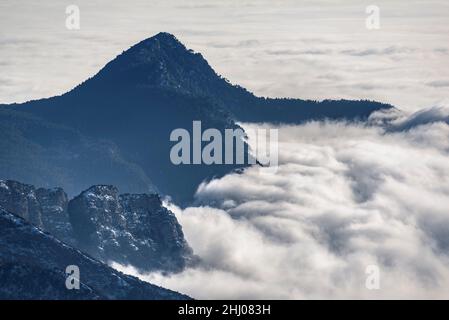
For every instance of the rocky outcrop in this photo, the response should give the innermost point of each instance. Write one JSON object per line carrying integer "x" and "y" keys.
{"x": 33, "y": 265}
{"x": 45, "y": 208}
{"x": 55, "y": 218}
{"x": 128, "y": 229}
{"x": 98, "y": 222}
{"x": 157, "y": 232}
{"x": 21, "y": 199}
{"x": 131, "y": 229}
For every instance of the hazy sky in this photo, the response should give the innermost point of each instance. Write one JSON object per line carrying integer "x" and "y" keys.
{"x": 306, "y": 49}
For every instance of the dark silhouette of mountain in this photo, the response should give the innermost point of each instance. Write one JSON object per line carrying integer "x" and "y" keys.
{"x": 33, "y": 266}
{"x": 154, "y": 87}
{"x": 131, "y": 229}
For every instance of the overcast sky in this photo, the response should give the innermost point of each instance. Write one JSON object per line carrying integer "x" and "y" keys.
{"x": 305, "y": 49}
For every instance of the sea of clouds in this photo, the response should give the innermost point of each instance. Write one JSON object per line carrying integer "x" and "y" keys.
{"x": 345, "y": 197}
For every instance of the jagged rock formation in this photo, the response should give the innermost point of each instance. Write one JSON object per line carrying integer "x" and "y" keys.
{"x": 131, "y": 229}
{"x": 45, "y": 208}
{"x": 33, "y": 265}
{"x": 156, "y": 231}
{"x": 55, "y": 219}
{"x": 45, "y": 153}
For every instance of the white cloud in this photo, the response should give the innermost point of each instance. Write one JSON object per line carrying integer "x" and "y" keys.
{"x": 345, "y": 197}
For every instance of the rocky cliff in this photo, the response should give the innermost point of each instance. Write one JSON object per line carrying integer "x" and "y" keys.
{"x": 45, "y": 208}
{"x": 131, "y": 229}
{"x": 33, "y": 266}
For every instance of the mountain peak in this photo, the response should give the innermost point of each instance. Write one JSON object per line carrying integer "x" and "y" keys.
{"x": 165, "y": 37}
{"x": 161, "y": 62}
{"x": 162, "y": 39}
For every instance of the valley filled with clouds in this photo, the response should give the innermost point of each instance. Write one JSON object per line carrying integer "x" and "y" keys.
{"x": 345, "y": 197}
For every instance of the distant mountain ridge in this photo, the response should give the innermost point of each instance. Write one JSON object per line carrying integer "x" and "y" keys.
{"x": 134, "y": 103}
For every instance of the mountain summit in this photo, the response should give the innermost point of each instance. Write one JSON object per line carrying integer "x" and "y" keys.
{"x": 119, "y": 122}
{"x": 162, "y": 62}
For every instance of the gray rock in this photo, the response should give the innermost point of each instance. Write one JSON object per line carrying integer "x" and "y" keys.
{"x": 131, "y": 229}
{"x": 45, "y": 208}
{"x": 21, "y": 199}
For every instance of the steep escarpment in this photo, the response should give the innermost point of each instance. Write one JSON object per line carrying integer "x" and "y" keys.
{"x": 45, "y": 208}
{"x": 131, "y": 229}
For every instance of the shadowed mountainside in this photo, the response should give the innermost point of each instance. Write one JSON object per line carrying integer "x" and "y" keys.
{"x": 33, "y": 265}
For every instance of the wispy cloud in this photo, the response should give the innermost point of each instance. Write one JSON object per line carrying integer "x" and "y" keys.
{"x": 377, "y": 52}
{"x": 438, "y": 83}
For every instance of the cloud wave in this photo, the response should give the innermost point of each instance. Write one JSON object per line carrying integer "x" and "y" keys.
{"x": 344, "y": 197}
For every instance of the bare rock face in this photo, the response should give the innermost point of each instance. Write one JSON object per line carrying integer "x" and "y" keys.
{"x": 98, "y": 222}
{"x": 130, "y": 229}
{"x": 159, "y": 235}
{"x": 21, "y": 199}
{"x": 45, "y": 208}
{"x": 55, "y": 219}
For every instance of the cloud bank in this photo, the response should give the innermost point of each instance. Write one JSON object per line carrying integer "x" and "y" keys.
{"x": 344, "y": 197}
